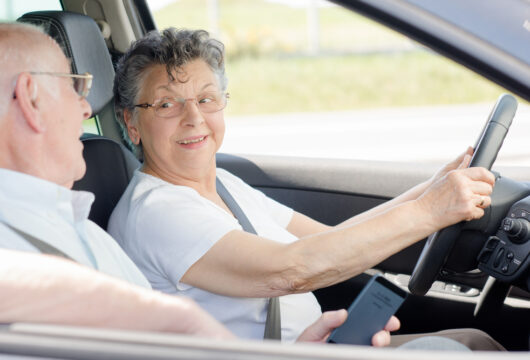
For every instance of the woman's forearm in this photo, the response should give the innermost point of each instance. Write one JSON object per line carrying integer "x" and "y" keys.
{"x": 328, "y": 258}
{"x": 410, "y": 194}
{"x": 462, "y": 161}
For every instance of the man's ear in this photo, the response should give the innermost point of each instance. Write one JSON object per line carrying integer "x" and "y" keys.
{"x": 27, "y": 96}
{"x": 132, "y": 130}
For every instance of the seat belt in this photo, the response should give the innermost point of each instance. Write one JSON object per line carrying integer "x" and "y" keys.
{"x": 43, "y": 247}
{"x": 273, "y": 325}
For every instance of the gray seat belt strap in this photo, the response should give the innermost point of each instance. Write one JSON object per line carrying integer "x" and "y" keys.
{"x": 273, "y": 325}
{"x": 39, "y": 244}
{"x": 234, "y": 207}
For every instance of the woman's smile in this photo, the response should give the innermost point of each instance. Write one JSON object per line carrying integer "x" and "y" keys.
{"x": 193, "y": 142}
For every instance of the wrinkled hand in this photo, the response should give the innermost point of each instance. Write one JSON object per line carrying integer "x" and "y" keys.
{"x": 319, "y": 331}
{"x": 462, "y": 161}
{"x": 461, "y": 194}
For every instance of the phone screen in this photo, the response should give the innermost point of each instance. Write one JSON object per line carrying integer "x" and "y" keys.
{"x": 369, "y": 312}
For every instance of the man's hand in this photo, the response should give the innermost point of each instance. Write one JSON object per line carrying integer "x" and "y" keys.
{"x": 320, "y": 329}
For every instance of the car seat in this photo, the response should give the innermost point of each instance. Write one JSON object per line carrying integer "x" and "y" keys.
{"x": 110, "y": 165}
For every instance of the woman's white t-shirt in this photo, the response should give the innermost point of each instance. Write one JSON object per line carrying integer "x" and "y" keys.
{"x": 166, "y": 228}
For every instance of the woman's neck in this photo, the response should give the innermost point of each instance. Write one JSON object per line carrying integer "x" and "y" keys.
{"x": 202, "y": 181}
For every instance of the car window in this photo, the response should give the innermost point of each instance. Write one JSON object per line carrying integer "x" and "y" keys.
{"x": 10, "y": 10}
{"x": 309, "y": 78}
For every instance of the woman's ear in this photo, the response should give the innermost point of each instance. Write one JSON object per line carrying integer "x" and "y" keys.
{"x": 27, "y": 97}
{"x": 132, "y": 130}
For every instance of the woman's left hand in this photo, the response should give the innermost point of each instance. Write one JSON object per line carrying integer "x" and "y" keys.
{"x": 320, "y": 330}
{"x": 462, "y": 161}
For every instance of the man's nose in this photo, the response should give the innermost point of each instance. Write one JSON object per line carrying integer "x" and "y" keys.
{"x": 87, "y": 109}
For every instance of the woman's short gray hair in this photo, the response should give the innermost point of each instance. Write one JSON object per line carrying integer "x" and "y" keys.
{"x": 173, "y": 48}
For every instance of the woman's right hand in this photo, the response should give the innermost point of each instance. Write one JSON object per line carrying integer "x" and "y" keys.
{"x": 320, "y": 330}
{"x": 461, "y": 194}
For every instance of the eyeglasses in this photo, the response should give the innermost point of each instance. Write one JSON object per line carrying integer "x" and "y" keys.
{"x": 208, "y": 102}
{"x": 81, "y": 83}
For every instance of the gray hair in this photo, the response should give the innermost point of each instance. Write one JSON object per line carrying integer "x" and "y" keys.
{"x": 173, "y": 48}
{"x": 19, "y": 42}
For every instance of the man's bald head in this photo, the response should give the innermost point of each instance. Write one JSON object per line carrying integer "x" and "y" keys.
{"x": 41, "y": 114}
{"x": 24, "y": 47}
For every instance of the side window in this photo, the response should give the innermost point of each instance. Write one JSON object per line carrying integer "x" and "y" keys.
{"x": 10, "y": 10}
{"x": 309, "y": 78}
{"x": 91, "y": 126}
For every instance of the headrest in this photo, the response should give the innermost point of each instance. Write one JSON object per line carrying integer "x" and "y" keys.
{"x": 83, "y": 44}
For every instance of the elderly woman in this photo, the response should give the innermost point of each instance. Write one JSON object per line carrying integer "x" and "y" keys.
{"x": 170, "y": 92}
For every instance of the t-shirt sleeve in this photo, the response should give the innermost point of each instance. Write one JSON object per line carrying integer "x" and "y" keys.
{"x": 176, "y": 228}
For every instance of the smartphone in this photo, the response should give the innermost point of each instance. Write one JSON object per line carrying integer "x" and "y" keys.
{"x": 369, "y": 312}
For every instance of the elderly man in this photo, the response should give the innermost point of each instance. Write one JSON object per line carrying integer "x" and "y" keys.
{"x": 42, "y": 107}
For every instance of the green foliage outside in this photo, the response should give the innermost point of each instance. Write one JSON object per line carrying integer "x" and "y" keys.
{"x": 360, "y": 63}
{"x": 265, "y": 85}
{"x": 90, "y": 126}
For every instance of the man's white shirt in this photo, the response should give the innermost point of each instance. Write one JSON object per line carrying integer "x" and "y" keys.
{"x": 59, "y": 217}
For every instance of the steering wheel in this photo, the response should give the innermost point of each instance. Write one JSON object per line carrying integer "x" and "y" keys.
{"x": 439, "y": 244}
